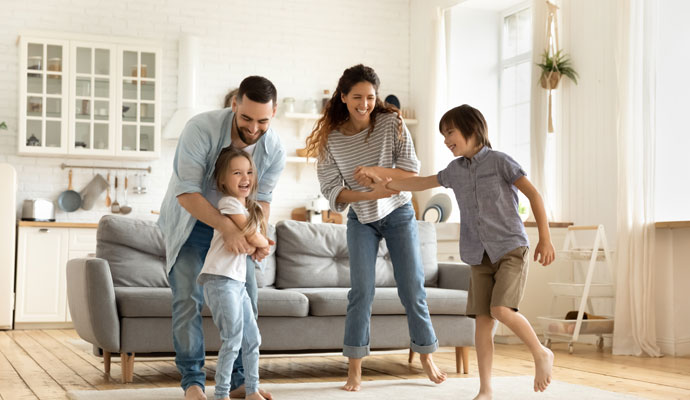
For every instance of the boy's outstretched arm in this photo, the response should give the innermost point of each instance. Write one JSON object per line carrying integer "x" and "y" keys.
{"x": 544, "y": 247}
{"x": 414, "y": 184}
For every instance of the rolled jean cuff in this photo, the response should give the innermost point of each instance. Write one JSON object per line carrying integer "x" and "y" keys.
{"x": 424, "y": 349}
{"x": 249, "y": 389}
{"x": 355, "y": 351}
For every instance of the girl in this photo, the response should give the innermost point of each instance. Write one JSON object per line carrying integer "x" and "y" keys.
{"x": 359, "y": 139}
{"x": 494, "y": 241}
{"x": 224, "y": 273}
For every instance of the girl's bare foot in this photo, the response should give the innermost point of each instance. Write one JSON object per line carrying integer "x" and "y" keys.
{"x": 543, "y": 367}
{"x": 255, "y": 396}
{"x": 354, "y": 375}
{"x": 238, "y": 393}
{"x": 483, "y": 396}
{"x": 194, "y": 392}
{"x": 432, "y": 371}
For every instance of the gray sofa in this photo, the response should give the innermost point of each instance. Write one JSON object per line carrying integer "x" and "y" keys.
{"x": 120, "y": 301}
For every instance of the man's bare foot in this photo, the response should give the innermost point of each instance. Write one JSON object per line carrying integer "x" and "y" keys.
{"x": 483, "y": 396}
{"x": 354, "y": 375}
{"x": 194, "y": 392}
{"x": 543, "y": 367}
{"x": 238, "y": 393}
{"x": 255, "y": 396}
{"x": 432, "y": 371}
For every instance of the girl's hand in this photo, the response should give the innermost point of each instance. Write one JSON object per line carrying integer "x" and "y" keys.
{"x": 365, "y": 176}
{"x": 546, "y": 251}
{"x": 379, "y": 189}
{"x": 262, "y": 252}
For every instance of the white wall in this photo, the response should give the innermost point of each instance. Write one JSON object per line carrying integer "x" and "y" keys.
{"x": 301, "y": 45}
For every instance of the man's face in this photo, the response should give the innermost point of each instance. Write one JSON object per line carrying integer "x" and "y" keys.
{"x": 253, "y": 119}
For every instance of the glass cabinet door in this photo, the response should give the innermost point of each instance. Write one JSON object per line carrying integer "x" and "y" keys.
{"x": 43, "y": 97}
{"x": 93, "y": 92}
{"x": 140, "y": 98}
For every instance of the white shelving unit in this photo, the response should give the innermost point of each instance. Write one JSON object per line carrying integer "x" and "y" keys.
{"x": 597, "y": 256}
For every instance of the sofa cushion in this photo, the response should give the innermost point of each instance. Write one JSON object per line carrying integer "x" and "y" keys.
{"x": 146, "y": 302}
{"x": 316, "y": 255}
{"x": 266, "y": 275}
{"x": 333, "y": 301}
{"x": 282, "y": 303}
{"x": 134, "y": 250}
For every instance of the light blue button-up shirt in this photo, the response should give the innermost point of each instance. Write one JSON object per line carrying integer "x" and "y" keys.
{"x": 201, "y": 141}
{"x": 488, "y": 201}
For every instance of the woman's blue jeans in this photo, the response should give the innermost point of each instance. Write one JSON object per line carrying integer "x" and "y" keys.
{"x": 399, "y": 228}
{"x": 188, "y": 300}
{"x": 233, "y": 315}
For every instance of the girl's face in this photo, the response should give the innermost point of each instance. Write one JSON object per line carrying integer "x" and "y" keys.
{"x": 239, "y": 178}
{"x": 457, "y": 143}
{"x": 360, "y": 101}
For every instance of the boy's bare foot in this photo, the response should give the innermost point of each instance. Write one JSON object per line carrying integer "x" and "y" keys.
{"x": 543, "y": 366}
{"x": 432, "y": 371}
{"x": 239, "y": 393}
{"x": 255, "y": 396}
{"x": 354, "y": 375}
{"x": 194, "y": 392}
{"x": 483, "y": 396}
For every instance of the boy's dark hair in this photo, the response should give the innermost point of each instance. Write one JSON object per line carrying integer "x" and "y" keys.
{"x": 469, "y": 121}
{"x": 259, "y": 89}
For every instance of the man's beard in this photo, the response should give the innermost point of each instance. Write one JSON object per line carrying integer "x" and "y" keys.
{"x": 246, "y": 140}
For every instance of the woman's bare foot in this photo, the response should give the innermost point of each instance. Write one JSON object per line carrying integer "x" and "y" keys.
{"x": 432, "y": 371}
{"x": 543, "y": 367}
{"x": 354, "y": 375}
{"x": 194, "y": 392}
{"x": 487, "y": 395}
{"x": 255, "y": 396}
{"x": 238, "y": 393}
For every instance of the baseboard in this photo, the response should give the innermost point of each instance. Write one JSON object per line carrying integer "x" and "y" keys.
{"x": 674, "y": 347}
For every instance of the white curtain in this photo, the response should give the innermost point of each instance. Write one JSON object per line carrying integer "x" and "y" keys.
{"x": 635, "y": 329}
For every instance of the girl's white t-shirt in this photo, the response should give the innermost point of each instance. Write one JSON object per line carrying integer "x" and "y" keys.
{"x": 219, "y": 261}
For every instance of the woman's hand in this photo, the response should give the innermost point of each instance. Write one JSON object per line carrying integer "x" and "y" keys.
{"x": 366, "y": 176}
{"x": 379, "y": 189}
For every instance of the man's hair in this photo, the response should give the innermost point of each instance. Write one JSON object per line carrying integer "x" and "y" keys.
{"x": 258, "y": 89}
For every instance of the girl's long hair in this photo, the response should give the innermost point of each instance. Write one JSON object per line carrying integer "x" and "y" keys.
{"x": 336, "y": 113}
{"x": 256, "y": 214}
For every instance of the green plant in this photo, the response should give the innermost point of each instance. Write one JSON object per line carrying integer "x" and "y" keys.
{"x": 558, "y": 62}
{"x": 3, "y": 125}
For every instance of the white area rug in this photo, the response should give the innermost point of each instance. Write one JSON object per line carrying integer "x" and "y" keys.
{"x": 512, "y": 387}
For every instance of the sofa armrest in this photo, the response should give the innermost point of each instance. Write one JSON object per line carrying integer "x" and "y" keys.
{"x": 454, "y": 276}
{"x": 91, "y": 298}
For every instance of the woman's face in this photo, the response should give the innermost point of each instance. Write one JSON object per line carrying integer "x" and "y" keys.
{"x": 360, "y": 101}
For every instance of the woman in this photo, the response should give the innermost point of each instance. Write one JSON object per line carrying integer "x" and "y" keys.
{"x": 360, "y": 144}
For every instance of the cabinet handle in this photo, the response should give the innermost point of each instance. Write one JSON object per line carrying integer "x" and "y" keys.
{"x": 44, "y": 230}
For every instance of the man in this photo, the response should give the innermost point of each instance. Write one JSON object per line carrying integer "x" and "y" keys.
{"x": 189, "y": 215}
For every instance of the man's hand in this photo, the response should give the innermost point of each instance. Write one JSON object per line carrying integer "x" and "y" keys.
{"x": 262, "y": 252}
{"x": 365, "y": 176}
{"x": 235, "y": 242}
{"x": 546, "y": 251}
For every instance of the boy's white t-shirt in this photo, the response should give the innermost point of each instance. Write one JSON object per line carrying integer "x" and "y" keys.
{"x": 219, "y": 261}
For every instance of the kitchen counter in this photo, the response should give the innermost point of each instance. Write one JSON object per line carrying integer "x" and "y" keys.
{"x": 672, "y": 224}
{"x": 58, "y": 224}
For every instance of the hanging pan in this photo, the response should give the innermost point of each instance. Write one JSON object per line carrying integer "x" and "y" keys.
{"x": 69, "y": 200}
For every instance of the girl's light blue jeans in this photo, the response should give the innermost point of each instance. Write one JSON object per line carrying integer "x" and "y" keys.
{"x": 399, "y": 228}
{"x": 234, "y": 317}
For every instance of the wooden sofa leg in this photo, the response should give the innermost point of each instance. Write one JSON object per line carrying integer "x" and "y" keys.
{"x": 127, "y": 364}
{"x": 462, "y": 355}
{"x": 410, "y": 357}
{"x": 106, "y": 361}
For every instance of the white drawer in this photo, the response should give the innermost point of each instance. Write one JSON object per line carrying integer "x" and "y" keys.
{"x": 447, "y": 247}
{"x": 82, "y": 239}
{"x": 448, "y": 257}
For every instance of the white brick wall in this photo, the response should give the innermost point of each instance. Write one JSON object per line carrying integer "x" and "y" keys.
{"x": 301, "y": 45}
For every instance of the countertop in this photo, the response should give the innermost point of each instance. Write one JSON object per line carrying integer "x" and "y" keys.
{"x": 58, "y": 224}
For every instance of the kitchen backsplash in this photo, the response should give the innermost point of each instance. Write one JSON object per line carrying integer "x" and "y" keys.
{"x": 303, "y": 47}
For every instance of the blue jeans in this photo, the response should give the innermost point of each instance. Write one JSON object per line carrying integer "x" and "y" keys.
{"x": 399, "y": 228}
{"x": 233, "y": 315}
{"x": 188, "y": 300}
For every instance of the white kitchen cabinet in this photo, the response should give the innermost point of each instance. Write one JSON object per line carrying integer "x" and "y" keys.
{"x": 91, "y": 97}
{"x": 42, "y": 255}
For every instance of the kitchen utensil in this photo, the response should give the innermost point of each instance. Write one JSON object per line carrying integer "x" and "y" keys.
{"x": 139, "y": 188}
{"x": 115, "y": 207}
{"x": 92, "y": 191}
{"x": 108, "y": 201}
{"x": 38, "y": 210}
{"x": 69, "y": 200}
{"x": 125, "y": 208}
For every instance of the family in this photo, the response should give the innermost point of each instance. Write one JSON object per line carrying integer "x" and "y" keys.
{"x": 218, "y": 202}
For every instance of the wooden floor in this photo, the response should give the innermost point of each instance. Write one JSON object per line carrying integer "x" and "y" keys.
{"x": 45, "y": 364}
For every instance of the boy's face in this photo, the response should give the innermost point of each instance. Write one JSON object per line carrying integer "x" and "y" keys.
{"x": 457, "y": 143}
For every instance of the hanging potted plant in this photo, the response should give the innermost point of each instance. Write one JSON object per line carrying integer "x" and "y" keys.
{"x": 553, "y": 66}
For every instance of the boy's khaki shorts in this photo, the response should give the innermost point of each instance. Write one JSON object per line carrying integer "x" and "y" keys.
{"x": 499, "y": 284}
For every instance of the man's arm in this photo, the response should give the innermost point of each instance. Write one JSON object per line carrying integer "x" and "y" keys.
{"x": 201, "y": 209}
